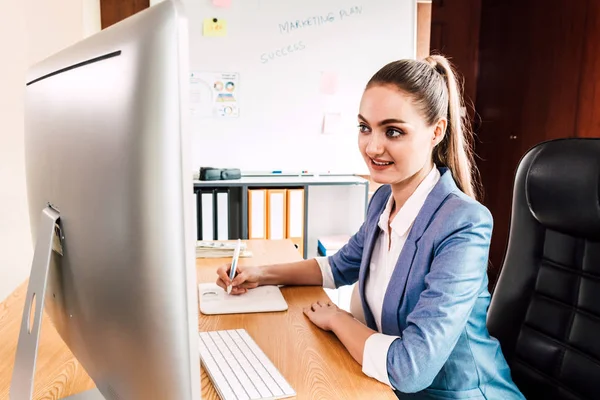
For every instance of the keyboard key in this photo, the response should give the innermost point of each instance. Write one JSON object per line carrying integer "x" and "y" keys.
{"x": 239, "y": 369}
{"x": 218, "y": 379}
{"x": 276, "y": 382}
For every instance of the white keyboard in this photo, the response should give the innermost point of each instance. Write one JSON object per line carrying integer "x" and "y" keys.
{"x": 239, "y": 369}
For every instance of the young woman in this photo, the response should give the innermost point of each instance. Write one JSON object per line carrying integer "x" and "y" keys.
{"x": 420, "y": 257}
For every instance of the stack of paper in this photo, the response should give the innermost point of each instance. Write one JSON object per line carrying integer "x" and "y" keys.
{"x": 216, "y": 249}
{"x": 328, "y": 245}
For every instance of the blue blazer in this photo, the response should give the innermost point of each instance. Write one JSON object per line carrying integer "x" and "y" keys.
{"x": 437, "y": 299}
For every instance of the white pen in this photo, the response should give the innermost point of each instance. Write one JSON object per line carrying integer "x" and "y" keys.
{"x": 234, "y": 261}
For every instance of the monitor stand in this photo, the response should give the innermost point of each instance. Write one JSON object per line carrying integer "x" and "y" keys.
{"x": 49, "y": 235}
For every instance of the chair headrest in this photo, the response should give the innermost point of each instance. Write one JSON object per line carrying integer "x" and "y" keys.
{"x": 563, "y": 186}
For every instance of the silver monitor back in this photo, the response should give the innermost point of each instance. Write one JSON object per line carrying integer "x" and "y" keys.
{"x": 107, "y": 147}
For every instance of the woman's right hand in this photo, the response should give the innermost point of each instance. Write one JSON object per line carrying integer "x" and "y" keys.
{"x": 245, "y": 278}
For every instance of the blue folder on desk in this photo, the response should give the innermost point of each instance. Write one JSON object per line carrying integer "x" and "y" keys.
{"x": 329, "y": 245}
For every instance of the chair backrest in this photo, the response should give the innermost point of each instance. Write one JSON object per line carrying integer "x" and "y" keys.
{"x": 545, "y": 309}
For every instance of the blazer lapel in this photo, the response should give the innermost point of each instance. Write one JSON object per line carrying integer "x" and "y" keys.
{"x": 396, "y": 287}
{"x": 395, "y": 290}
{"x": 365, "y": 265}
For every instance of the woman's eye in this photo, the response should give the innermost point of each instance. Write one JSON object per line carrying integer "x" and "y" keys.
{"x": 393, "y": 132}
{"x": 363, "y": 128}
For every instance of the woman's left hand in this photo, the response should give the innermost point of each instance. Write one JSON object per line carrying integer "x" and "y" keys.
{"x": 322, "y": 314}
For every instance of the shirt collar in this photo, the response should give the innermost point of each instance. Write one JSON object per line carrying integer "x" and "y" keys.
{"x": 409, "y": 211}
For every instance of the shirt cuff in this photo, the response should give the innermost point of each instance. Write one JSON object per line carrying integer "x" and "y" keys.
{"x": 375, "y": 357}
{"x": 328, "y": 281}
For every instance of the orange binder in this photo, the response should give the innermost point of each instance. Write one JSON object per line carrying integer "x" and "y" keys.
{"x": 276, "y": 213}
{"x": 257, "y": 213}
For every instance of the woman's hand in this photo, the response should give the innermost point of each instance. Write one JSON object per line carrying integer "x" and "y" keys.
{"x": 245, "y": 278}
{"x": 322, "y": 314}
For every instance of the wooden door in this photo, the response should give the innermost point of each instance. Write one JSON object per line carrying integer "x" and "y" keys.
{"x": 536, "y": 77}
{"x": 530, "y": 67}
{"x": 113, "y": 11}
{"x": 455, "y": 34}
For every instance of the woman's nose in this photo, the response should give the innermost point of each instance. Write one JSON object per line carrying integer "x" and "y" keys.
{"x": 375, "y": 145}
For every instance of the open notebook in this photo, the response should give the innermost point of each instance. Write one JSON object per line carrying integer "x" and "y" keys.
{"x": 214, "y": 300}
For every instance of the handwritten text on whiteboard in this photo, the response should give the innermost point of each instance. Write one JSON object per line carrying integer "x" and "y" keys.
{"x": 282, "y": 52}
{"x": 319, "y": 20}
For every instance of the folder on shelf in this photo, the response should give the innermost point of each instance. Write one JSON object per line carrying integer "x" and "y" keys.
{"x": 222, "y": 215}
{"x": 207, "y": 215}
{"x": 276, "y": 213}
{"x": 235, "y": 213}
{"x": 295, "y": 218}
{"x": 219, "y": 213}
{"x": 257, "y": 214}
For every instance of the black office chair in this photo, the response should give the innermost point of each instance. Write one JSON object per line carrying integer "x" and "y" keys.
{"x": 545, "y": 308}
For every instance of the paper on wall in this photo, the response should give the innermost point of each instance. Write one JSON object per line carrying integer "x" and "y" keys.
{"x": 222, "y": 3}
{"x": 329, "y": 82}
{"x": 215, "y": 94}
{"x": 331, "y": 123}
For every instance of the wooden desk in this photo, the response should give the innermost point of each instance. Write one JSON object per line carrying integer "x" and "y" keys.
{"x": 314, "y": 362}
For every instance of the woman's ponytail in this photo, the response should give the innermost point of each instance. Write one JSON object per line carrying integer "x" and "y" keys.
{"x": 455, "y": 151}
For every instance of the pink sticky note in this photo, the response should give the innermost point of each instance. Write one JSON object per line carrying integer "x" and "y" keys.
{"x": 222, "y": 3}
{"x": 329, "y": 82}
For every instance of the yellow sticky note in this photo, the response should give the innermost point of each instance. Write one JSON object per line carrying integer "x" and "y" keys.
{"x": 215, "y": 27}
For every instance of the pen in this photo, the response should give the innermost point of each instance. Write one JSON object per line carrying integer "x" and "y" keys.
{"x": 234, "y": 261}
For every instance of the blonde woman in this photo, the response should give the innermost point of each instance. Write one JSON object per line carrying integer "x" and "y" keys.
{"x": 420, "y": 258}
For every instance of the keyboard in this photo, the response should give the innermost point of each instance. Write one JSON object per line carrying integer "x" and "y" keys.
{"x": 239, "y": 369}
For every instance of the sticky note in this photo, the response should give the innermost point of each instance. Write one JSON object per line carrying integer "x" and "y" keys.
{"x": 331, "y": 123}
{"x": 329, "y": 82}
{"x": 214, "y": 27}
{"x": 222, "y": 3}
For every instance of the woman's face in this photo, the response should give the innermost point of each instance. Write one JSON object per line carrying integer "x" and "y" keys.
{"x": 394, "y": 139}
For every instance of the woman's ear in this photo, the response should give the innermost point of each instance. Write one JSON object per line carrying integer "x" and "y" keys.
{"x": 439, "y": 131}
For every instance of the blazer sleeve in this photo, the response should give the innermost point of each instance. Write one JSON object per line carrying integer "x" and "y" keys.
{"x": 455, "y": 280}
{"x": 345, "y": 264}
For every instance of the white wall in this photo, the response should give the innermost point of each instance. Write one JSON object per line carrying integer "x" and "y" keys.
{"x": 30, "y": 31}
{"x": 15, "y": 243}
{"x": 91, "y": 17}
{"x": 51, "y": 26}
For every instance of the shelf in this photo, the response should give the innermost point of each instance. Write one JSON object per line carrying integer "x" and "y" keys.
{"x": 286, "y": 180}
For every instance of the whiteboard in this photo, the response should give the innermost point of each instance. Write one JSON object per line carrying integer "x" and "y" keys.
{"x": 281, "y": 53}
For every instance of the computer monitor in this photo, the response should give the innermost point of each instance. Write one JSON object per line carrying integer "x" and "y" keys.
{"x": 110, "y": 190}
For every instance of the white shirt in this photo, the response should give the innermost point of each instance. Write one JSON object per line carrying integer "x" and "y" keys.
{"x": 383, "y": 262}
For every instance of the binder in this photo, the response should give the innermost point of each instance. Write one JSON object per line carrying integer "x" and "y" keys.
{"x": 207, "y": 216}
{"x": 235, "y": 212}
{"x": 295, "y": 218}
{"x": 257, "y": 213}
{"x": 198, "y": 214}
{"x": 222, "y": 215}
{"x": 276, "y": 213}
{"x": 219, "y": 213}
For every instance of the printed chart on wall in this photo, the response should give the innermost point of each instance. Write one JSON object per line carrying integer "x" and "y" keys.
{"x": 214, "y": 94}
